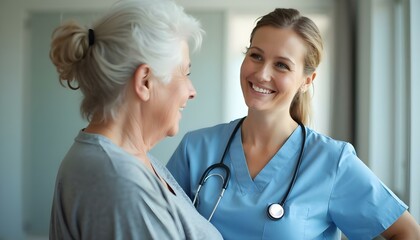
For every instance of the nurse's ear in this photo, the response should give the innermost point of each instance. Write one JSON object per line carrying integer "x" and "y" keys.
{"x": 308, "y": 82}
{"x": 142, "y": 82}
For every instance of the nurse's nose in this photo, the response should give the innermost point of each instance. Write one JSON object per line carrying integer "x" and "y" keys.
{"x": 264, "y": 73}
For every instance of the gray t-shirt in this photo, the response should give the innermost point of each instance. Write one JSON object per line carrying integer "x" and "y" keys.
{"x": 102, "y": 192}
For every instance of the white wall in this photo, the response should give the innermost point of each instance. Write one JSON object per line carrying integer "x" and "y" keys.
{"x": 375, "y": 145}
{"x": 414, "y": 128}
{"x": 11, "y": 82}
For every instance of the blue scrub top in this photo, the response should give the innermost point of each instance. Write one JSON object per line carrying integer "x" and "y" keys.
{"x": 334, "y": 189}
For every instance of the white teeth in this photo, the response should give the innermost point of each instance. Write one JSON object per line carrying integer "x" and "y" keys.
{"x": 261, "y": 90}
{"x": 181, "y": 109}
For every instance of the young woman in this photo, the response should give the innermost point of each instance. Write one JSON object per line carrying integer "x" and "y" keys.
{"x": 286, "y": 180}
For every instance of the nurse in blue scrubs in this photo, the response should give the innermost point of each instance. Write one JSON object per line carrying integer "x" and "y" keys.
{"x": 320, "y": 183}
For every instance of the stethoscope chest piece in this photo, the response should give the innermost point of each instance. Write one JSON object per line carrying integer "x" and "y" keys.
{"x": 275, "y": 211}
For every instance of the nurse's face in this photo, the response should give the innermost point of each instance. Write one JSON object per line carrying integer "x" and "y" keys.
{"x": 173, "y": 96}
{"x": 272, "y": 70}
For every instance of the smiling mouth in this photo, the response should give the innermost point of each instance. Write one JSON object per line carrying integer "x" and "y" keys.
{"x": 261, "y": 90}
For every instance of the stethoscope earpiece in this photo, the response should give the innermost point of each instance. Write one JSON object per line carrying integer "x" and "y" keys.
{"x": 275, "y": 211}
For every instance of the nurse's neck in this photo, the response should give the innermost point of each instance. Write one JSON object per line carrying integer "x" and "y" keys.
{"x": 265, "y": 131}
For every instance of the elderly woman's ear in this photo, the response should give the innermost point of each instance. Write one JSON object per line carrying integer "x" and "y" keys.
{"x": 142, "y": 82}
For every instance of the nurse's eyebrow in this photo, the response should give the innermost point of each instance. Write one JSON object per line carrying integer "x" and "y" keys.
{"x": 279, "y": 57}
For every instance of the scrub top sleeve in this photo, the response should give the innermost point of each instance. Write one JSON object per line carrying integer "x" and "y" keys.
{"x": 360, "y": 204}
{"x": 178, "y": 165}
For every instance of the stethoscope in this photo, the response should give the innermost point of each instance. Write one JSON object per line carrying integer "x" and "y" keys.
{"x": 275, "y": 211}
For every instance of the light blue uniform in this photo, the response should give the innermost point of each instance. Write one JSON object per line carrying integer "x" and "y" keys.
{"x": 333, "y": 190}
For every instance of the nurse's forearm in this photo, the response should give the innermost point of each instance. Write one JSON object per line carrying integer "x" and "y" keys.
{"x": 405, "y": 228}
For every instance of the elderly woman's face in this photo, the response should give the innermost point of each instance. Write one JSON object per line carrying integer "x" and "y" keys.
{"x": 174, "y": 95}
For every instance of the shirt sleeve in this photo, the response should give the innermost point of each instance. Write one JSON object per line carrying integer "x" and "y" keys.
{"x": 178, "y": 166}
{"x": 140, "y": 212}
{"x": 120, "y": 210}
{"x": 360, "y": 204}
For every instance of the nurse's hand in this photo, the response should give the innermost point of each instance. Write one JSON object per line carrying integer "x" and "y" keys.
{"x": 405, "y": 228}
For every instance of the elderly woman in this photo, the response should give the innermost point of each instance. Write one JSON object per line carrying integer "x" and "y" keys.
{"x": 133, "y": 69}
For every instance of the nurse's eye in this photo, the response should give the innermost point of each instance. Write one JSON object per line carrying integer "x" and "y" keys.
{"x": 256, "y": 56}
{"x": 282, "y": 66}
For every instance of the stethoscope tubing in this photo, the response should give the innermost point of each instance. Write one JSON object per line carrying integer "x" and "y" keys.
{"x": 279, "y": 210}
{"x": 295, "y": 174}
{"x": 275, "y": 211}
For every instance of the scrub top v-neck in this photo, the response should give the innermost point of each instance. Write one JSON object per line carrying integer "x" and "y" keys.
{"x": 333, "y": 191}
{"x": 276, "y": 169}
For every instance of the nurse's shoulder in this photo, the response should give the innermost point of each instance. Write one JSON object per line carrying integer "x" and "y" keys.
{"x": 324, "y": 145}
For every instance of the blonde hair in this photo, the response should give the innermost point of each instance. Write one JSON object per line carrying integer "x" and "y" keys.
{"x": 133, "y": 32}
{"x": 300, "y": 109}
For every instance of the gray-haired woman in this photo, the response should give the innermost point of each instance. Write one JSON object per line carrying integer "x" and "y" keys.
{"x": 133, "y": 69}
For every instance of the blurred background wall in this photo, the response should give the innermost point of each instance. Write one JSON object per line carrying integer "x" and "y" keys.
{"x": 364, "y": 91}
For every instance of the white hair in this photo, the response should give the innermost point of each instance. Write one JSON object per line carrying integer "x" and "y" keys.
{"x": 133, "y": 32}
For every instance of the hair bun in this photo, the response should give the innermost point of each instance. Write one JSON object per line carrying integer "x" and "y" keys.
{"x": 68, "y": 48}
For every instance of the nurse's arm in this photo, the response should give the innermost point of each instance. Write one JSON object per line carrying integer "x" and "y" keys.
{"x": 404, "y": 228}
